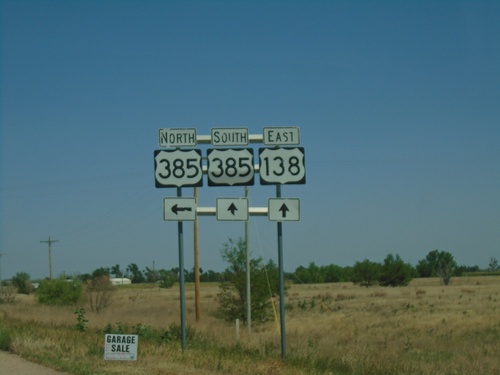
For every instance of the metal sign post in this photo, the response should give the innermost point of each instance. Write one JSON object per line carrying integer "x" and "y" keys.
{"x": 181, "y": 277}
{"x": 282, "y": 281}
{"x": 248, "y": 289}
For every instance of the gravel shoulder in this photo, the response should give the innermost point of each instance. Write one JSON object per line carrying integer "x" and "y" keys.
{"x": 13, "y": 364}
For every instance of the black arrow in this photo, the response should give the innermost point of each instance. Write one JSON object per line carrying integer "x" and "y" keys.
{"x": 176, "y": 208}
{"x": 283, "y": 210}
{"x": 232, "y": 208}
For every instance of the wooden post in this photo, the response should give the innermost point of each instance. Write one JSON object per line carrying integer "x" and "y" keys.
{"x": 196, "y": 264}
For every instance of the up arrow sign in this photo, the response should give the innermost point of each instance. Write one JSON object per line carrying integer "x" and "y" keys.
{"x": 284, "y": 209}
{"x": 232, "y": 209}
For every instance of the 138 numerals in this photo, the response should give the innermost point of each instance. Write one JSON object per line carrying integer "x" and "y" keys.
{"x": 282, "y": 166}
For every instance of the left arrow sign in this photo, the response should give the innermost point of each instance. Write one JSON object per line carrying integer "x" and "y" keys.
{"x": 176, "y": 209}
{"x": 179, "y": 209}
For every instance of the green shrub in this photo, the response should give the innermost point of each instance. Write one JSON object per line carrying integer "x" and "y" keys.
{"x": 366, "y": 273}
{"x": 81, "y": 322}
{"x": 395, "y": 272}
{"x": 59, "y": 292}
{"x": 166, "y": 279}
{"x": 5, "y": 339}
{"x": 21, "y": 281}
{"x": 232, "y": 296}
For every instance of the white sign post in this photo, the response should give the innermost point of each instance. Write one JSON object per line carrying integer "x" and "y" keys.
{"x": 120, "y": 347}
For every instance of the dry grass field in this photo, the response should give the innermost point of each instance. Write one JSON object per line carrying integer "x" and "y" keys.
{"x": 424, "y": 328}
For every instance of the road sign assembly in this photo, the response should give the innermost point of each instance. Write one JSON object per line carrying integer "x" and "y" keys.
{"x": 230, "y": 164}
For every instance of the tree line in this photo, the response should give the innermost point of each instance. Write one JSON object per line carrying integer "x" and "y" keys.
{"x": 393, "y": 271}
{"x": 96, "y": 289}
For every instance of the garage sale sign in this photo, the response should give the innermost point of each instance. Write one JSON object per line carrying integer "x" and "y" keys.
{"x": 120, "y": 347}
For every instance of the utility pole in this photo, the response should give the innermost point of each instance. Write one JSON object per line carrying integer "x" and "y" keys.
{"x": 196, "y": 264}
{"x": 50, "y": 242}
{"x": 247, "y": 245}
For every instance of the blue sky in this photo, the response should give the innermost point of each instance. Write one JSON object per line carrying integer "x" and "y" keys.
{"x": 397, "y": 104}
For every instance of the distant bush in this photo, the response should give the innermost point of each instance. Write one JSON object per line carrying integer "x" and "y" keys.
{"x": 7, "y": 294}
{"x": 99, "y": 292}
{"x": 438, "y": 264}
{"x": 21, "y": 281}
{"x": 395, "y": 272}
{"x": 166, "y": 279}
{"x": 59, "y": 292}
{"x": 366, "y": 273}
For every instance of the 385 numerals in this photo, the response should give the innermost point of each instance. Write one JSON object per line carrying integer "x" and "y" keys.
{"x": 230, "y": 167}
{"x": 178, "y": 168}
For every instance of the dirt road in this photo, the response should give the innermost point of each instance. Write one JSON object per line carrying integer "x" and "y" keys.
{"x": 11, "y": 364}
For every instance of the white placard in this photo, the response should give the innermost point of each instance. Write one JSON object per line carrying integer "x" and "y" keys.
{"x": 120, "y": 347}
{"x": 281, "y": 135}
{"x": 284, "y": 209}
{"x": 177, "y": 137}
{"x": 229, "y": 137}
{"x": 179, "y": 209}
{"x": 232, "y": 209}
